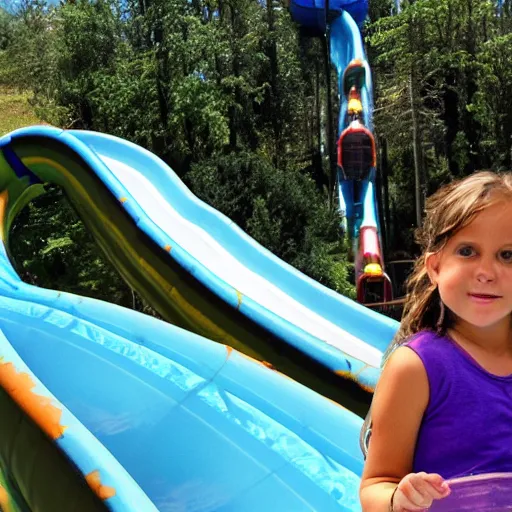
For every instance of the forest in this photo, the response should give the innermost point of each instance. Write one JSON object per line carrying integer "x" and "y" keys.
{"x": 233, "y": 96}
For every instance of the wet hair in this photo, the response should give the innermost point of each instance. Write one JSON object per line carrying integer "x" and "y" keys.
{"x": 450, "y": 209}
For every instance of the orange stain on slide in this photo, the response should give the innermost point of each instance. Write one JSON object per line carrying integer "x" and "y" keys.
{"x": 19, "y": 386}
{"x": 168, "y": 248}
{"x": 102, "y": 491}
{"x": 350, "y": 376}
{"x": 266, "y": 364}
{"x": 4, "y": 499}
{"x": 4, "y": 199}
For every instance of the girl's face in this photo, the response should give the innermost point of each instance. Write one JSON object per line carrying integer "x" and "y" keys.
{"x": 474, "y": 270}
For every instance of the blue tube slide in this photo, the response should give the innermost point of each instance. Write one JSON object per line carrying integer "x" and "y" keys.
{"x": 346, "y": 46}
{"x": 169, "y": 420}
{"x": 149, "y": 416}
{"x": 196, "y": 267}
{"x": 357, "y": 200}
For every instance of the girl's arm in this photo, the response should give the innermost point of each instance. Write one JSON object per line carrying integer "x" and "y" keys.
{"x": 398, "y": 405}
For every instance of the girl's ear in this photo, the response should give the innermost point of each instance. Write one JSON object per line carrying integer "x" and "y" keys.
{"x": 432, "y": 266}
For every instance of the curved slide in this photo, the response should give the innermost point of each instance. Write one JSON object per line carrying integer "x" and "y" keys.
{"x": 137, "y": 415}
{"x": 193, "y": 265}
{"x": 104, "y": 408}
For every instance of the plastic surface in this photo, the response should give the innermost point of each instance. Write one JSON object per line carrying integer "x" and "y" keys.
{"x": 154, "y": 417}
{"x": 338, "y": 333}
{"x": 358, "y": 200}
{"x": 480, "y": 493}
{"x": 168, "y": 419}
{"x": 198, "y": 434}
{"x": 311, "y": 13}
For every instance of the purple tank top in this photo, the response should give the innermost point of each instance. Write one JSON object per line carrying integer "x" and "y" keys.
{"x": 467, "y": 426}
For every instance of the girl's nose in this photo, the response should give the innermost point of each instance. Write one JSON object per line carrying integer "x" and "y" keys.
{"x": 485, "y": 272}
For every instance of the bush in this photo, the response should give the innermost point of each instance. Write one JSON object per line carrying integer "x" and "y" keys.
{"x": 281, "y": 209}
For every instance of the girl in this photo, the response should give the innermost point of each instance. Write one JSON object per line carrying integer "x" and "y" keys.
{"x": 443, "y": 406}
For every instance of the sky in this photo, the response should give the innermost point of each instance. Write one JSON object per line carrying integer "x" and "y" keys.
{"x": 10, "y": 5}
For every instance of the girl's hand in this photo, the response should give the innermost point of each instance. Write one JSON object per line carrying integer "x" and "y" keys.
{"x": 417, "y": 491}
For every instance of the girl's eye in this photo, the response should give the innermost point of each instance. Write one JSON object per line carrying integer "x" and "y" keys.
{"x": 466, "y": 251}
{"x": 506, "y": 256}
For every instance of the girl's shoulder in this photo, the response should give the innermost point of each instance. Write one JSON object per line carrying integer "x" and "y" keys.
{"x": 436, "y": 351}
{"x": 429, "y": 341}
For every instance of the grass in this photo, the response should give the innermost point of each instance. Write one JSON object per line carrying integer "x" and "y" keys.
{"x": 15, "y": 110}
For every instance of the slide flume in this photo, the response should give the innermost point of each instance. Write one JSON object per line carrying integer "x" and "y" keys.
{"x": 196, "y": 267}
{"x": 154, "y": 417}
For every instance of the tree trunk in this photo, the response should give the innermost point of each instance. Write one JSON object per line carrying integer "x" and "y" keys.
{"x": 274, "y": 88}
{"x": 383, "y": 171}
{"x": 235, "y": 70}
{"x": 318, "y": 123}
{"x": 471, "y": 126}
{"x": 419, "y": 173}
{"x": 330, "y": 121}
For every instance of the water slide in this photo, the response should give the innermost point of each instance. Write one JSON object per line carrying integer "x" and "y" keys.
{"x": 358, "y": 198}
{"x": 109, "y": 409}
{"x": 131, "y": 414}
{"x": 357, "y": 173}
{"x": 155, "y": 417}
{"x": 196, "y": 267}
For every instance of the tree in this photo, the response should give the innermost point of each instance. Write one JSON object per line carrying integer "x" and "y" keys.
{"x": 432, "y": 110}
{"x": 279, "y": 208}
{"x": 207, "y": 85}
{"x": 492, "y": 101}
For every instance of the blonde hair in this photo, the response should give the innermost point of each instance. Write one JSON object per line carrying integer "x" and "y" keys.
{"x": 447, "y": 211}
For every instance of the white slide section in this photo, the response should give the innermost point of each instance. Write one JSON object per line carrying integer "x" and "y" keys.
{"x": 206, "y": 250}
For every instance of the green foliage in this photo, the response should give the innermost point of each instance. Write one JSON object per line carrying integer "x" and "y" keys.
{"x": 52, "y": 249}
{"x": 125, "y": 101}
{"x": 200, "y": 108}
{"x": 30, "y": 51}
{"x": 54, "y": 246}
{"x": 281, "y": 209}
{"x": 442, "y": 72}
{"x": 6, "y": 29}
{"x": 492, "y": 103}
{"x": 86, "y": 40}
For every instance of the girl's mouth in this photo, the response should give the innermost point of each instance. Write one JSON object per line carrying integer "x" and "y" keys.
{"x": 484, "y": 298}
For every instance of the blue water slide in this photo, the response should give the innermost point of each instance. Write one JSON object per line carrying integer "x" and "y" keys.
{"x": 167, "y": 419}
{"x": 311, "y": 13}
{"x": 346, "y": 46}
{"x": 357, "y": 200}
{"x": 199, "y": 268}
{"x": 150, "y": 416}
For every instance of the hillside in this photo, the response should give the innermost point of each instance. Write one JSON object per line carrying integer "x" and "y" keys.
{"x": 16, "y": 111}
